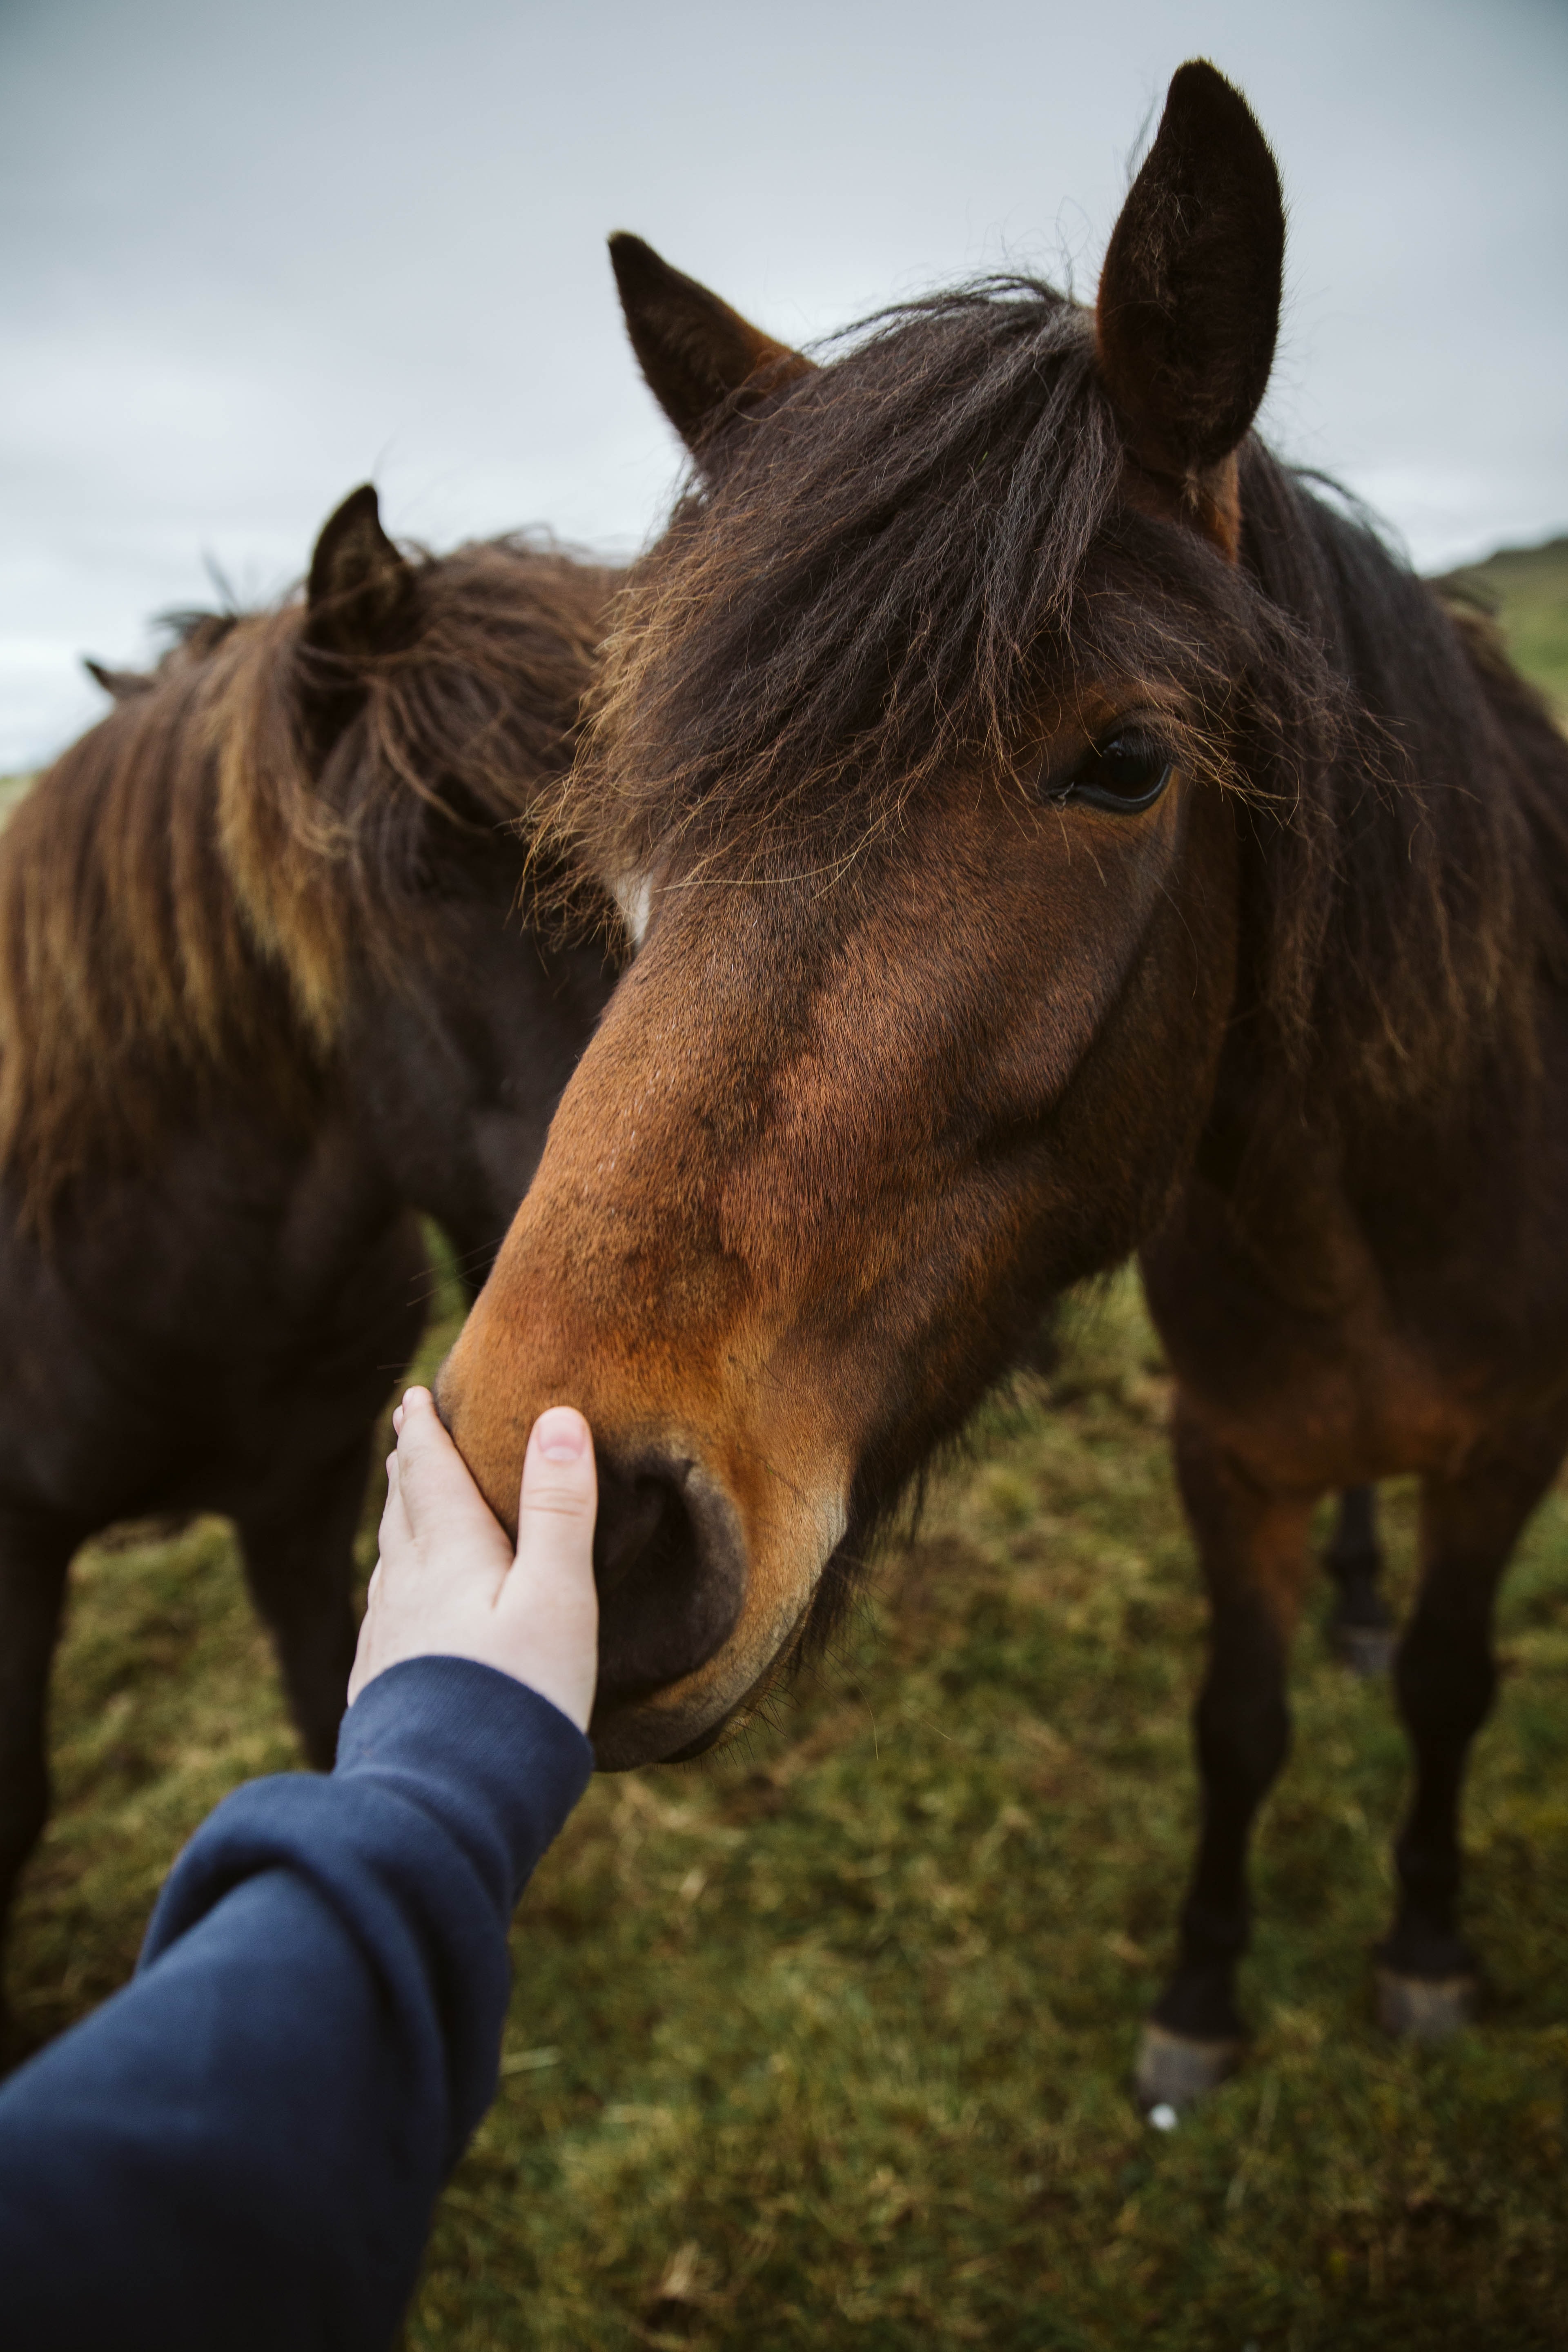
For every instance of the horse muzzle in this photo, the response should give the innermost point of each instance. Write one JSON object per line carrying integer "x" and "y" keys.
{"x": 669, "y": 1562}
{"x": 697, "y": 1602}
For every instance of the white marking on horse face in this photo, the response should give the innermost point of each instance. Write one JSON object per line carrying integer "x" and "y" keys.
{"x": 634, "y": 897}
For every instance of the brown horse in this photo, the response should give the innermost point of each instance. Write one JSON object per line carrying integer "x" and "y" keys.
{"x": 264, "y": 996}
{"x": 1054, "y": 829}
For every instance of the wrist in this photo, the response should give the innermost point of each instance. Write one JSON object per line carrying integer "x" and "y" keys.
{"x": 454, "y": 1734}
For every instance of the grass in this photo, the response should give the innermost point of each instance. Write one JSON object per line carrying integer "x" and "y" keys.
{"x": 825, "y": 2043}
{"x": 1527, "y": 589}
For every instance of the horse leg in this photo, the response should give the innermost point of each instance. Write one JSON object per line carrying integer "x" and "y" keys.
{"x": 1252, "y": 1546}
{"x": 1361, "y": 1630}
{"x": 298, "y": 1564}
{"x": 33, "y": 1564}
{"x": 1445, "y": 1678}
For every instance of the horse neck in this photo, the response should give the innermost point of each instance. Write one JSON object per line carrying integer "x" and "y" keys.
{"x": 456, "y": 1049}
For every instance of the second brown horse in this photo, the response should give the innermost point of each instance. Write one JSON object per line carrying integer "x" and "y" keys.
{"x": 265, "y": 993}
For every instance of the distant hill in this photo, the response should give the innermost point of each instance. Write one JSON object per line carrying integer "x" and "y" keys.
{"x": 1527, "y": 589}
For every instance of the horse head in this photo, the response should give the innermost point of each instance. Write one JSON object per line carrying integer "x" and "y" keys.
{"x": 290, "y": 864}
{"x": 915, "y": 764}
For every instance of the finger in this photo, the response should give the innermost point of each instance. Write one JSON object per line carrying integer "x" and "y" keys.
{"x": 399, "y": 1410}
{"x": 406, "y": 1412}
{"x": 560, "y": 1496}
{"x": 431, "y": 1474}
{"x": 549, "y": 1604}
{"x": 452, "y": 1531}
{"x": 422, "y": 1436}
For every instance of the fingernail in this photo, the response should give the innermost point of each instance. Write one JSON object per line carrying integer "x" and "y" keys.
{"x": 561, "y": 1434}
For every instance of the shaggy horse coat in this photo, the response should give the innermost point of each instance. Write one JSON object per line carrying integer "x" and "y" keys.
{"x": 264, "y": 995}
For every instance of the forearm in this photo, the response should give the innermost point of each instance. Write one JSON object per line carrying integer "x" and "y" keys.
{"x": 245, "y": 2146}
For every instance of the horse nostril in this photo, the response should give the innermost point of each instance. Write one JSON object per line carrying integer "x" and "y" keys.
{"x": 633, "y": 1515}
{"x": 670, "y": 1574}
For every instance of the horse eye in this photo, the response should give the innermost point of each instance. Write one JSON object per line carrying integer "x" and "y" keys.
{"x": 1128, "y": 773}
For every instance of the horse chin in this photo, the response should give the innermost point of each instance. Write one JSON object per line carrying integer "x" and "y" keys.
{"x": 634, "y": 1734}
{"x": 657, "y": 1733}
{"x": 719, "y": 1736}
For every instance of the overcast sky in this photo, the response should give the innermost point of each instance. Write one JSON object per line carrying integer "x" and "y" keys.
{"x": 253, "y": 254}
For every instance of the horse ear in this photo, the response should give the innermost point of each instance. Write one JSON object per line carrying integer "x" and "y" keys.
{"x": 361, "y": 595}
{"x": 121, "y": 683}
{"x": 702, "y": 360}
{"x": 1188, "y": 308}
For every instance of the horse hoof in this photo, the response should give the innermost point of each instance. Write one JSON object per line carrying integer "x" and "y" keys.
{"x": 1366, "y": 1650}
{"x": 1173, "y": 2071}
{"x": 1424, "y": 2009}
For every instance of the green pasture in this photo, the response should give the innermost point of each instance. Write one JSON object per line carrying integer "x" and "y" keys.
{"x": 1527, "y": 589}
{"x": 825, "y": 2043}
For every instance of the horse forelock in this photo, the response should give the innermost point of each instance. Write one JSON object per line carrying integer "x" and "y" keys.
{"x": 892, "y": 565}
{"x": 185, "y": 894}
{"x": 918, "y": 550}
{"x": 860, "y": 587}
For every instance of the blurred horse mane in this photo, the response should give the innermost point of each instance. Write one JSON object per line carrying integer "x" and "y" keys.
{"x": 185, "y": 894}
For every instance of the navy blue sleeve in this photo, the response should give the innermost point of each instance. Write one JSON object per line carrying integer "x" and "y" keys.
{"x": 243, "y": 2148}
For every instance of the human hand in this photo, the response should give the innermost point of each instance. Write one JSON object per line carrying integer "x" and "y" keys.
{"x": 448, "y": 1583}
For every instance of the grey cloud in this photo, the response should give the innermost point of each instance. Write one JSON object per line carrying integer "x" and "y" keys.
{"x": 253, "y": 256}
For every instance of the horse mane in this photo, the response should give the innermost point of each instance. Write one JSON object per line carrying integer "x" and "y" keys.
{"x": 1416, "y": 894}
{"x": 185, "y": 894}
{"x": 882, "y": 573}
{"x": 850, "y": 602}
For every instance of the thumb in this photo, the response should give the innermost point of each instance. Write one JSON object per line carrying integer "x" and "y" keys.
{"x": 560, "y": 1496}
{"x": 549, "y": 1600}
